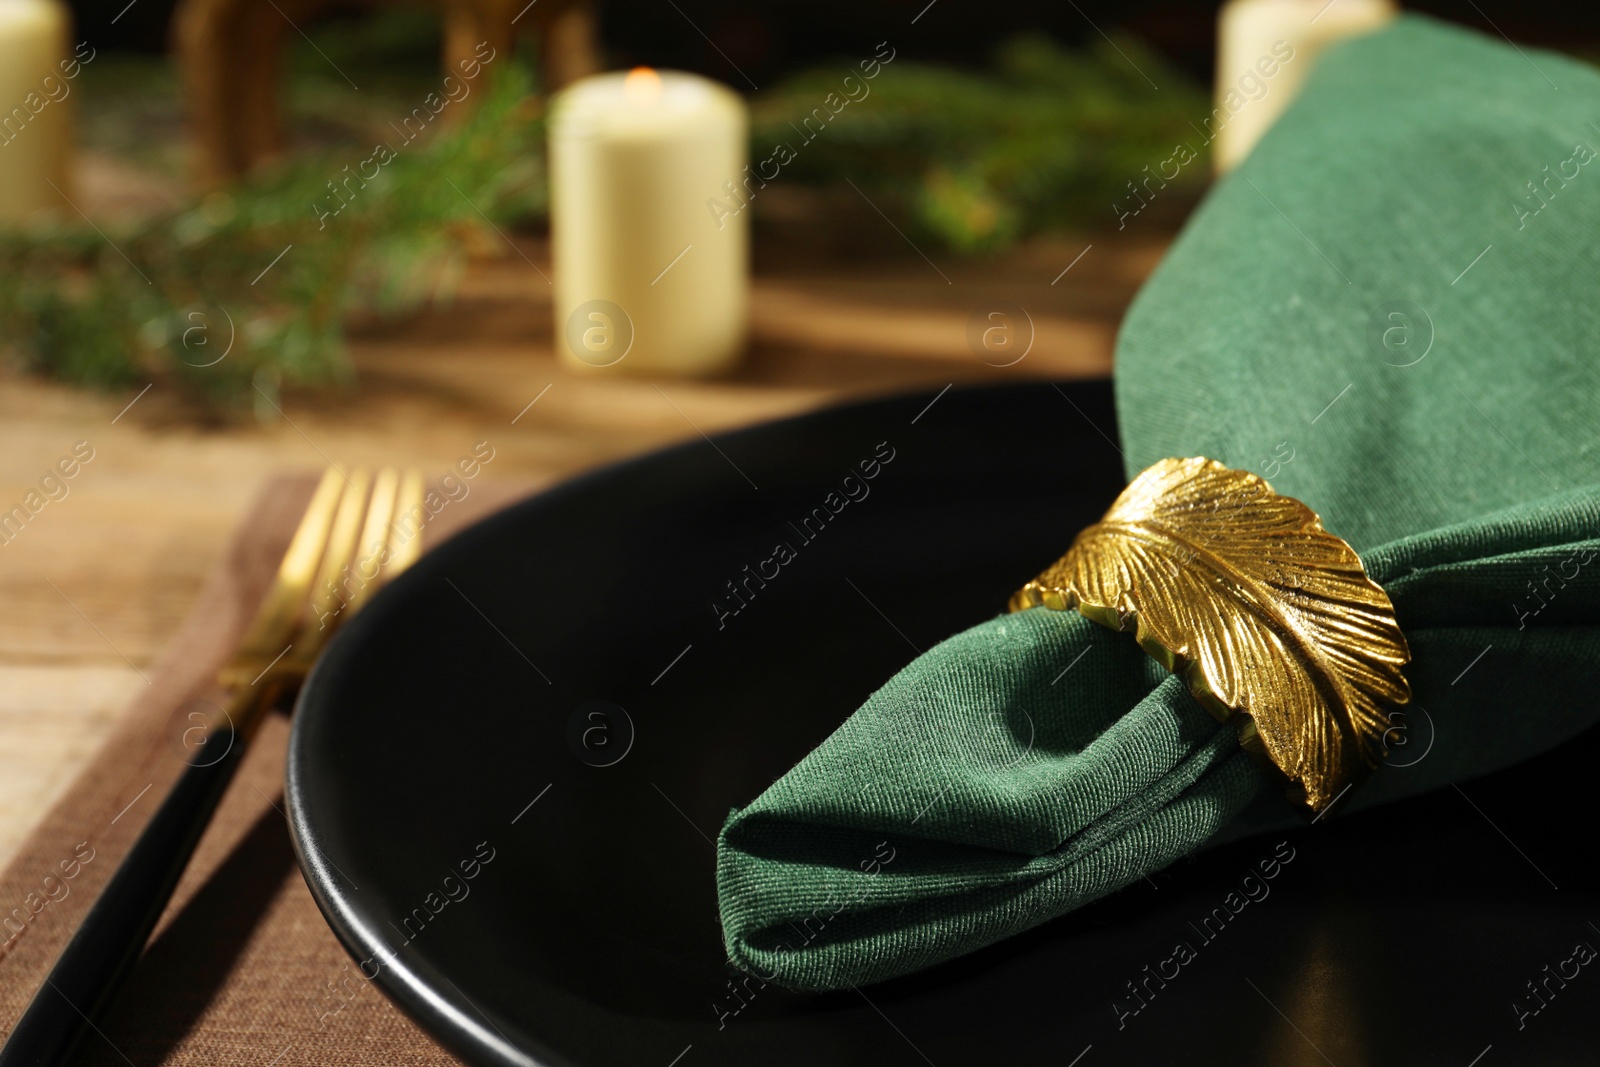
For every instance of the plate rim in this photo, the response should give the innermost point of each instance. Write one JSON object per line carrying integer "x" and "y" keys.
{"x": 408, "y": 983}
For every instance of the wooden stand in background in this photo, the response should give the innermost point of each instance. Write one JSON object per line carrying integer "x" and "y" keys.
{"x": 230, "y": 53}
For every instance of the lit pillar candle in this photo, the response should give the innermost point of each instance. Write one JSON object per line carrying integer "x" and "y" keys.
{"x": 650, "y": 238}
{"x": 1253, "y": 37}
{"x": 34, "y": 129}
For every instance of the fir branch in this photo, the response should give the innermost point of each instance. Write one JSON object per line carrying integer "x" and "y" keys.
{"x": 1045, "y": 140}
{"x": 197, "y": 282}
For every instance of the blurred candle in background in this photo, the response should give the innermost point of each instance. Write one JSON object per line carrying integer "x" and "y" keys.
{"x": 1249, "y": 33}
{"x": 649, "y": 222}
{"x": 35, "y": 134}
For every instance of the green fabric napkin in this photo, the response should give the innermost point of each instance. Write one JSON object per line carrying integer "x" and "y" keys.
{"x": 1388, "y": 311}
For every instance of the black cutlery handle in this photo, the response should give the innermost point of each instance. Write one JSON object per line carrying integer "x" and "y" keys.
{"x": 114, "y": 932}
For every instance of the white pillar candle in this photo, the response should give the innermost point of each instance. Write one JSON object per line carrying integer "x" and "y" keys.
{"x": 650, "y": 239}
{"x": 1255, "y": 82}
{"x": 35, "y": 134}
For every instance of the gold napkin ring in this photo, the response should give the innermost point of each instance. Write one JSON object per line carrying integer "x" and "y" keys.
{"x": 1271, "y": 620}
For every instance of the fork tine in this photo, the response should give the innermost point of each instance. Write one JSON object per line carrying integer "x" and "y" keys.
{"x": 404, "y": 552}
{"x": 276, "y": 617}
{"x": 328, "y": 599}
{"x": 370, "y": 548}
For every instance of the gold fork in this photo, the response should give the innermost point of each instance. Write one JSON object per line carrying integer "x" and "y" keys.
{"x": 347, "y": 526}
{"x": 352, "y": 538}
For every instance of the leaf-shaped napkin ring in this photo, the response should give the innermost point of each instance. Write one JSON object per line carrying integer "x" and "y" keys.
{"x": 1271, "y": 619}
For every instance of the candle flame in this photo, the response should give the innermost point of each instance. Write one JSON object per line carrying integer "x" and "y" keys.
{"x": 642, "y": 85}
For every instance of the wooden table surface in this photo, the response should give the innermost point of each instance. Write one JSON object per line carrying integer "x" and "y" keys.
{"x": 98, "y": 581}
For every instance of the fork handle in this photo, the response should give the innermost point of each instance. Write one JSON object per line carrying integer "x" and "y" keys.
{"x": 104, "y": 949}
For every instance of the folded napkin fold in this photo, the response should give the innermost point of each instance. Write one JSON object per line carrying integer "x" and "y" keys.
{"x": 1386, "y": 311}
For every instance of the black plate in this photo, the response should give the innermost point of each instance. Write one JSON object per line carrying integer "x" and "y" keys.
{"x": 460, "y": 724}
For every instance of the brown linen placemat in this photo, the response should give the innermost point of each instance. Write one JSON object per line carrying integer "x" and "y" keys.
{"x": 242, "y": 968}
